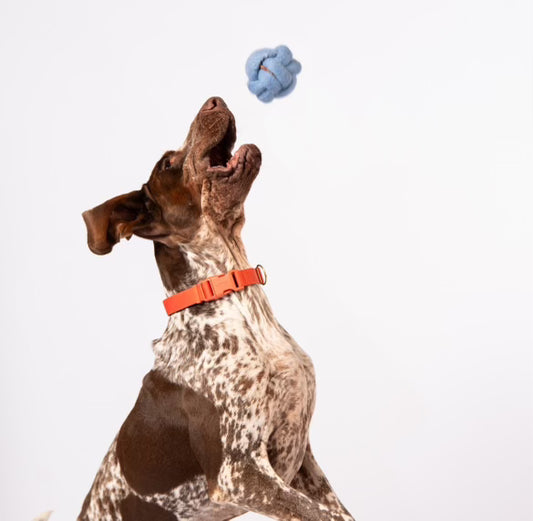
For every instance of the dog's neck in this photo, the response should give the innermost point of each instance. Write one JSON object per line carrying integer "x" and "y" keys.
{"x": 207, "y": 255}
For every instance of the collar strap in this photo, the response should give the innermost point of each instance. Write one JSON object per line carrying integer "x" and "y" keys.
{"x": 215, "y": 288}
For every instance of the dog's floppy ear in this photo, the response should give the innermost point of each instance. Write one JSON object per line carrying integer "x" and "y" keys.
{"x": 113, "y": 220}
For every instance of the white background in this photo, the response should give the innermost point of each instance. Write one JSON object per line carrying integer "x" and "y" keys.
{"x": 393, "y": 214}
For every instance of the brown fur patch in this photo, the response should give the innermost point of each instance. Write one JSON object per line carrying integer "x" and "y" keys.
{"x": 154, "y": 444}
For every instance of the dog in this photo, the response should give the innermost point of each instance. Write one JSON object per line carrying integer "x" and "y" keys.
{"x": 221, "y": 424}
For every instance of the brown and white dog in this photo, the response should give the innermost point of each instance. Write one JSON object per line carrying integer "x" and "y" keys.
{"x": 221, "y": 423}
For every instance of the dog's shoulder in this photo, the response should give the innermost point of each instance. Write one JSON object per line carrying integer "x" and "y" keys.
{"x": 154, "y": 445}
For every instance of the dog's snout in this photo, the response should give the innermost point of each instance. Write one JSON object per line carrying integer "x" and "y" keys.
{"x": 213, "y": 103}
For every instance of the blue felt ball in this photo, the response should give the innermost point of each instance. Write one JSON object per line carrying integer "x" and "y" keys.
{"x": 272, "y": 73}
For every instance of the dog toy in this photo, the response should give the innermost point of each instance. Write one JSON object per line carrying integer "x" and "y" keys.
{"x": 272, "y": 73}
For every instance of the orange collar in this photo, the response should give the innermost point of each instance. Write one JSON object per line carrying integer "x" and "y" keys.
{"x": 215, "y": 288}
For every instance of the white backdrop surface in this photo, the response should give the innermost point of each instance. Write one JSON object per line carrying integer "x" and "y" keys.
{"x": 393, "y": 214}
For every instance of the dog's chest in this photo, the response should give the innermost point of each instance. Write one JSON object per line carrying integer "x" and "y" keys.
{"x": 253, "y": 372}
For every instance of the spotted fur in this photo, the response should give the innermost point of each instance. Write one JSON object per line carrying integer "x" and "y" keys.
{"x": 221, "y": 424}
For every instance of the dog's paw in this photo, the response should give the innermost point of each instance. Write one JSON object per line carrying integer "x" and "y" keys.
{"x": 44, "y": 517}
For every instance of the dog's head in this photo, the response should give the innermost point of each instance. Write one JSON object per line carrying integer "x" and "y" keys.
{"x": 200, "y": 186}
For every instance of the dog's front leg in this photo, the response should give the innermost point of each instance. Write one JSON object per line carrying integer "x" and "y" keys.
{"x": 250, "y": 482}
{"x": 311, "y": 480}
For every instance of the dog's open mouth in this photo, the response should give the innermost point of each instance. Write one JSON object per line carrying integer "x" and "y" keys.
{"x": 246, "y": 155}
{"x": 220, "y": 154}
{"x": 223, "y": 164}
{"x": 218, "y": 160}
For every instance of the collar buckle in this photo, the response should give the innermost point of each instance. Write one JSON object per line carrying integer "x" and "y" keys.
{"x": 206, "y": 291}
{"x": 215, "y": 288}
{"x": 218, "y": 286}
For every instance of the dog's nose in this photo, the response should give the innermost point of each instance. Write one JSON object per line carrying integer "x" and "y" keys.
{"x": 213, "y": 103}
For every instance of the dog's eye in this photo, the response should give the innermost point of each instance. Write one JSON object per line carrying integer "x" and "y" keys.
{"x": 165, "y": 163}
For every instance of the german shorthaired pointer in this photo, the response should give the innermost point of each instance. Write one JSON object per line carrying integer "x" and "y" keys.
{"x": 221, "y": 423}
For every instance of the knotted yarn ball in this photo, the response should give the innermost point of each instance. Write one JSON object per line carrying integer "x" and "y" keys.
{"x": 272, "y": 73}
